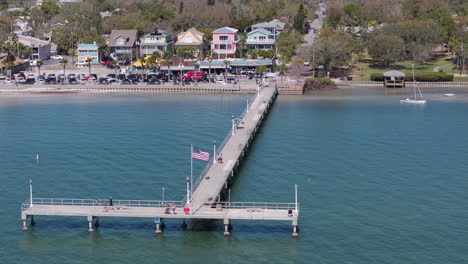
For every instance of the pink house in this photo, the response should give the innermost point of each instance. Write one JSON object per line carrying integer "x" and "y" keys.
{"x": 224, "y": 44}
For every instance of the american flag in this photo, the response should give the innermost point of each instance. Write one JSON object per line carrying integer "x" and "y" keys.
{"x": 200, "y": 154}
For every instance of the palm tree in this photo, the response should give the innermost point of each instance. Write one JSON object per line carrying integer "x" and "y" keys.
{"x": 226, "y": 64}
{"x": 154, "y": 59}
{"x": 39, "y": 64}
{"x": 210, "y": 59}
{"x": 71, "y": 52}
{"x": 89, "y": 61}
{"x": 115, "y": 63}
{"x": 14, "y": 41}
{"x": 167, "y": 56}
{"x": 169, "y": 63}
{"x": 64, "y": 63}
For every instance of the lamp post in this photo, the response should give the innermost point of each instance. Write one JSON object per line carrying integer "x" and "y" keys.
{"x": 247, "y": 104}
{"x": 163, "y": 195}
{"x": 30, "y": 194}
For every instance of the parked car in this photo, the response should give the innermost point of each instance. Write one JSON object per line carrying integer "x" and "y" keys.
{"x": 232, "y": 80}
{"x": 56, "y": 57}
{"x": 41, "y": 78}
{"x": 51, "y": 80}
{"x": 71, "y": 76}
{"x": 111, "y": 75}
{"x": 72, "y": 80}
{"x": 103, "y": 80}
{"x": 92, "y": 77}
{"x": 154, "y": 81}
{"x": 270, "y": 75}
{"x": 126, "y": 81}
{"x": 112, "y": 81}
{"x": 20, "y": 79}
{"x": 2, "y": 77}
{"x": 30, "y": 81}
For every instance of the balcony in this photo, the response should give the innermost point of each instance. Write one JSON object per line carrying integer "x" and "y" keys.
{"x": 226, "y": 42}
{"x": 224, "y": 51}
{"x": 260, "y": 41}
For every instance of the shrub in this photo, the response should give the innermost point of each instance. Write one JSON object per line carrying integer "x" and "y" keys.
{"x": 319, "y": 84}
{"x": 419, "y": 76}
{"x": 429, "y": 77}
{"x": 377, "y": 77}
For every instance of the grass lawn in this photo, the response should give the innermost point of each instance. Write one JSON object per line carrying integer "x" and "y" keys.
{"x": 460, "y": 79}
{"x": 366, "y": 67}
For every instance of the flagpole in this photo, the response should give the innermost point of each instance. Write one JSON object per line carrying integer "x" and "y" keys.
{"x": 188, "y": 191}
{"x": 191, "y": 169}
{"x": 214, "y": 151}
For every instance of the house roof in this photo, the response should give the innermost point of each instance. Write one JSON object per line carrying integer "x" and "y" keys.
{"x": 275, "y": 23}
{"x": 225, "y": 30}
{"x": 260, "y": 30}
{"x": 131, "y": 36}
{"x": 394, "y": 74}
{"x": 158, "y": 33}
{"x": 197, "y": 37}
{"x": 30, "y": 41}
{"x": 87, "y": 46}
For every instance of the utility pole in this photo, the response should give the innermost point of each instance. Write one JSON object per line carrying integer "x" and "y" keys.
{"x": 313, "y": 63}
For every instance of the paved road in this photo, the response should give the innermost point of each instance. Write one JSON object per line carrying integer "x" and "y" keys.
{"x": 298, "y": 69}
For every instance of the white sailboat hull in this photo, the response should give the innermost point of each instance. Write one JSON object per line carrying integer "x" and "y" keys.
{"x": 449, "y": 94}
{"x": 412, "y": 101}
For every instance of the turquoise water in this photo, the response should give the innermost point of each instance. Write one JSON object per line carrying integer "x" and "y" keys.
{"x": 379, "y": 182}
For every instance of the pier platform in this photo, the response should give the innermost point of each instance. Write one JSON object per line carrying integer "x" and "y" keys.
{"x": 205, "y": 201}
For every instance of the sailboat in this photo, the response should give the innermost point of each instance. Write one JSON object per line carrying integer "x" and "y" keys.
{"x": 415, "y": 99}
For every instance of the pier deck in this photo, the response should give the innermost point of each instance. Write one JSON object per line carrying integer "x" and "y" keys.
{"x": 210, "y": 185}
{"x": 205, "y": 200}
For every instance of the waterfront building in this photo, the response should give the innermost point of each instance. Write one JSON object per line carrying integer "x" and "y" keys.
{"x": 191, "y": 38}
{"x": 40, "y": 49}
{"x": 86, "y": 51}
{"x": 123, "y": 44}
{"x": 224, "y": 44}
{"x": 235, "y": 65}
{"x": 158, "y": 40}
{"x": 264, "y": 35}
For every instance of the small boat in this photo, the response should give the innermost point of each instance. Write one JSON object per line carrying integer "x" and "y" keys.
{"x": 415, "y": 99}
{"x": 412, "y": 101}
{"x": 449, "y": 94}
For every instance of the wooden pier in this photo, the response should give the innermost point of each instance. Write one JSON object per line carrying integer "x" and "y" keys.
{"x": 205, "y": 201}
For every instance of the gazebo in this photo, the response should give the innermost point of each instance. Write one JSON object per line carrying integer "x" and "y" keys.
{"x": 394, "y": 79}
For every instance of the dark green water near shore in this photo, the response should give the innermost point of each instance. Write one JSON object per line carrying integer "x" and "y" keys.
{"x": 379, "y": 182}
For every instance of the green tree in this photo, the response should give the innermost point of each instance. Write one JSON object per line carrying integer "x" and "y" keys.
{"x": 64, "y": 63}
{"x": 39, "y": 64}
{"x": 385, "y": 48}
{"x": 210, "y": 60}
{"x": 89, "y": 61}
{"x": 181, "y": 7}
{"x": 301, "y": 20}
{"x": 419, "y": 37}
{"x": 115, "y": 64}
{"x": 333, "y": 50}
{"x": 227, "y": 63}
{"x": 261, "y": 69}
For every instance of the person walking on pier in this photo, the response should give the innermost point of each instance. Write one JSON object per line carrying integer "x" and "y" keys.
{"x": 110, "y": 201}
{"x": 220, "y": 158}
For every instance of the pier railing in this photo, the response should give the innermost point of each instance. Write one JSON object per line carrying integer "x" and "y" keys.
{"x": 219, "y": 149}
{"x": 255, "y": 205}
{"x": 97, "y": 202}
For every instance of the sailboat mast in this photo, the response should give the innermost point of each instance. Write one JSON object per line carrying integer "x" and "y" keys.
{"x": 414, "y": 82}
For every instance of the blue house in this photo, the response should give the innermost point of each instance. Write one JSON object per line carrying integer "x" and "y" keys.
{"x": 86, "y": 51}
